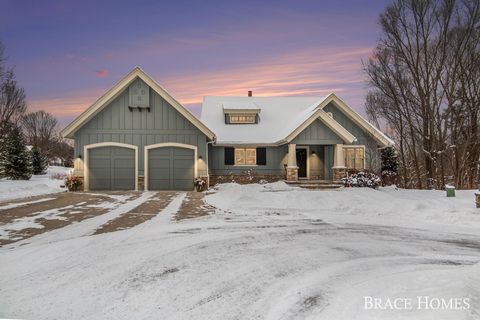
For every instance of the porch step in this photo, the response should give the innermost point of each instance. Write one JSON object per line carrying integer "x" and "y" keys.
{"x": 316, "y": 184}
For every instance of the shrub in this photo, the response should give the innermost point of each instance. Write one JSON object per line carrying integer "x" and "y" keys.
{"x": 73, "y": 182}
{"x": 389, "y": 166}
{"x": 362, "y": 179}
{"x": 200, "y": 184}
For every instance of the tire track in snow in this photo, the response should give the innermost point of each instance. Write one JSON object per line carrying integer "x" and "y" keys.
{"x": 89, "y": 226}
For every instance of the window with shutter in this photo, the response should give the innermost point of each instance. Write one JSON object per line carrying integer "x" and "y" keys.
{"x": 261, "y": 156}
{"x": 229, "y": 156}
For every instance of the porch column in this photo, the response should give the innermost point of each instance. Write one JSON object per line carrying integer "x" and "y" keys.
{"x": 292, "y": 169}
{"x": 339, "y": 169}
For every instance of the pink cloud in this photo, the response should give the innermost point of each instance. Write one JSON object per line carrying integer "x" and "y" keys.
{"x": 307, "y": 72}
{"x": 101, "y": 73}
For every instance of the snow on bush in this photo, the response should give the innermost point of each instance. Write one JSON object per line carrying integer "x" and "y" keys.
{"x": 362, "y": 179}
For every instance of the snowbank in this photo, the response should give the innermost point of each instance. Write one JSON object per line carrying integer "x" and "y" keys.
{"x": 37, "y": 185}
{"x": 385, "y": 206}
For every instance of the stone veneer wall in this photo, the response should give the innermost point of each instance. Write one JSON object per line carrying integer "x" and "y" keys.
{"x": 339, "y": 173}
{"x": 244, "y": 178}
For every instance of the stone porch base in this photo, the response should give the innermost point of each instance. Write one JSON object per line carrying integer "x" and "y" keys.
{"x": 244, "y": 178}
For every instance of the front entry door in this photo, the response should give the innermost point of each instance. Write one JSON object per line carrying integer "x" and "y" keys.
{"x": 302, "y": 163}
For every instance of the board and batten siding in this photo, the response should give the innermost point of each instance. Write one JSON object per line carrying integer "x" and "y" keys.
{"x": 372, "y": 154}
{"x": 317, "y": 133}
{"x": 116, "y": 123}
{"x": 276, "y": 158}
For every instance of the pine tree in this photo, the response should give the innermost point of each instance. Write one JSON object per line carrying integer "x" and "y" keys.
{"x": 15, "y": 161}
{"x": 389, "y": 160}
{"x": 39, "y": 163}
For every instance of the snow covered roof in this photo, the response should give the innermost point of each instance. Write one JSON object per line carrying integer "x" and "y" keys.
{"x": 281, "y": 119}
{"x": 277, "y": 113}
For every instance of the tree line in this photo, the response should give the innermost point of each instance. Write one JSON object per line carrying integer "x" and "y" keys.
{"x": 28, "y": 140}
{"x": 424, "y": 79}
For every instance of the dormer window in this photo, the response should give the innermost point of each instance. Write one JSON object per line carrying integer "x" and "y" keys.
{"x": 248, "y": 113}
{"x": 241, "y": 118}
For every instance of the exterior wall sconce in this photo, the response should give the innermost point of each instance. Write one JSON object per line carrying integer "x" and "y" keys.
{"x": 200, "y": 157}
{"x": 313, "y": 152}
{"x": 79, "y": 156}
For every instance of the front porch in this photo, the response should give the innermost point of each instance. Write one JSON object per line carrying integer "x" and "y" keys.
{"x": 315, "y": 165}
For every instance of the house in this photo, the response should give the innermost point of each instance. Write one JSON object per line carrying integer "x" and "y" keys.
{"x": 315, "y": 138}
{"x": 138, "y": 137}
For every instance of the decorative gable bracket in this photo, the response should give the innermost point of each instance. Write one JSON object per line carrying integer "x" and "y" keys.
{"x": 138, "y": 108}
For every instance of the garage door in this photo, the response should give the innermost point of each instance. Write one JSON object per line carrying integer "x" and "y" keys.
{"x": 111, "y": 168}
{"x": 170, "y": 168}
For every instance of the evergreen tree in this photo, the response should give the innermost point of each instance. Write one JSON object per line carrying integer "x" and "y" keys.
{"x": 389, "y": 160}
{"x": 15, "y": 161}
{"x": 39, "y": 162}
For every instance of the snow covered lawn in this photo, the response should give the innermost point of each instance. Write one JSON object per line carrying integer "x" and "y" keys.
{"x": 37, "y": 185}
{"x": 269, "y": 252}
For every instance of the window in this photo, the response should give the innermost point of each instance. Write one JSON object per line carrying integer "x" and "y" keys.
{"x": 354, "y": 157}
{"x": 242, "y": 118}
{"x": 245, "y": 156}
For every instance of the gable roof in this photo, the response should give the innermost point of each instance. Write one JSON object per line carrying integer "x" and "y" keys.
{"x": 117, "y": 89}
{"x": 281, "y": 119}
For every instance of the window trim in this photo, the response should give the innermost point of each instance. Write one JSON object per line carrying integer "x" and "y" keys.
{"x": 253, "y": 116}
{"x": 345, "y": 147}
{"x": 245, "y": 164}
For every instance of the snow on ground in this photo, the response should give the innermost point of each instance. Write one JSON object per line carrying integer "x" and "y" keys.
{"x": 429, "y": 209}
{"x": 270, "y": 252}
{"x": 37, "y": 185}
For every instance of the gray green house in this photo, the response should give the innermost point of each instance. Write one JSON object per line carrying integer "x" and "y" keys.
{"x": 138, "y": 137}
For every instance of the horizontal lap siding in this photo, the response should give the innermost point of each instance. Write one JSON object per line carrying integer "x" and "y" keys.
{"x": 115, "y": 123}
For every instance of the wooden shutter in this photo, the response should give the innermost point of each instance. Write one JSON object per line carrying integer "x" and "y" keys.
{"x": 261, "y": 156}
{"x": 229, "y": 156}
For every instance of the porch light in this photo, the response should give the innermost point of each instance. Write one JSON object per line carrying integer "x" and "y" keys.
{"x": 200, "y": 157}
{"x": 79, "y": 156}
{"x": 313, "y": 152}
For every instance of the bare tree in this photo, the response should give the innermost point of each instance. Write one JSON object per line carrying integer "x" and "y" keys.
{"x": 40, "y": 130}
{"x": 421, "y": 88}
{"x": 12, "y": 97}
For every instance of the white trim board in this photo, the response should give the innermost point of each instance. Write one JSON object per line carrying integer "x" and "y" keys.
{"x": 87, "y": 147}
{"x": 117, "y": 89}
{"x": 164, "y": 145}
{"x": 331, "y": 123}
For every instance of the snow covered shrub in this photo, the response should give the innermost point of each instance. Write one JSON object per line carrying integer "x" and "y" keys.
{"x": 73, "y": 182}
{"x": 362, "y": 179}
{"x": 200, "y": 184}
{"x": 15, "y": 160}
{"x": 389, "y": 166}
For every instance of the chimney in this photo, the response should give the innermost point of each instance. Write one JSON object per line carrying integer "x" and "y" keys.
{"x": 250, "y": 93}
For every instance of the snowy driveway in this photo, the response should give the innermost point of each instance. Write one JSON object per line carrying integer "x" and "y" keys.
{"x": 268, "y": 252}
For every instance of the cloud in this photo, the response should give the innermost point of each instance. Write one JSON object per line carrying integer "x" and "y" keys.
{"x": 310, "y": 72}
{"x": 101, "y": 73}
{"x": 307, "y": 72}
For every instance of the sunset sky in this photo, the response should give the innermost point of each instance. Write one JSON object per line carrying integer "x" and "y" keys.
{"x": 67, "y": 53}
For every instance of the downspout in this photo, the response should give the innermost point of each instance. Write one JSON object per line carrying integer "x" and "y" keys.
{"x": 206, "y": 157}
